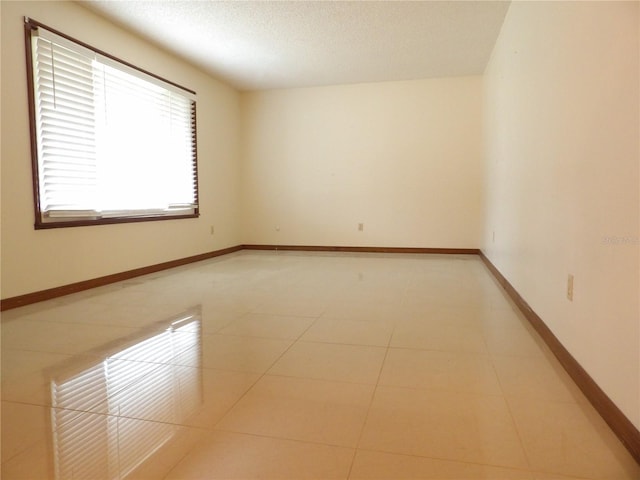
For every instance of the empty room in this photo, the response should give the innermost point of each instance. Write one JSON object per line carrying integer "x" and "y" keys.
{"x": 320, "y": 240}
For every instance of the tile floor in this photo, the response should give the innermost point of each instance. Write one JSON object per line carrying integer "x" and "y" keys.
{"x": 292, "y": 366}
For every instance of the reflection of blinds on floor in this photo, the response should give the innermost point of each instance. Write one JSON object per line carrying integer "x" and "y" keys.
{"x": 189, "y": 379}
{"x": 139, "y": 382}
{"x": 138, "y": 441}
{"x": 82, "y": 447}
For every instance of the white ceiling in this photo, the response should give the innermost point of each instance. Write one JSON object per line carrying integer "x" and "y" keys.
{"x": 255, "y": 45}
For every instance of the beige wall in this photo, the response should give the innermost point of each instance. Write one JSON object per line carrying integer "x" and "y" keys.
{"x": 35, "y": 260}
{"x": 562, "y": 178}
{"x": 404, "y": 158}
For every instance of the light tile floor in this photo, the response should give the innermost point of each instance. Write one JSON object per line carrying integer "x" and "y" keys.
{"x": 293, "y": 366}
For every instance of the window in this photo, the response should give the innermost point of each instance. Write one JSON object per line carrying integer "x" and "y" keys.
{"x": 110, "y": 142}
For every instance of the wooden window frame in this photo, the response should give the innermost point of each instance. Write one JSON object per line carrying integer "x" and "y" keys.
{"x": 29, "y": 26}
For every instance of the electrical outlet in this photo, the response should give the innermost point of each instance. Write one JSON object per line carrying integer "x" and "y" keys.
{"x": 570, "y": 288}
{"x": 212, "y": 230}
{"x": 360, "y": 227}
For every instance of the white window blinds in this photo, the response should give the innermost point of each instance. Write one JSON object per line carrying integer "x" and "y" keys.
{"x": 112, "y": 142}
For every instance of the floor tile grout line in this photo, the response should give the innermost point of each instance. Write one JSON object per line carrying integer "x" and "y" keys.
{"x": 210, "y": 432}
{"x": 108, "y": 414}
{"x": 262, "y": 375}
{"x": 277, "y": 437}
{"x": 373, "y": 395}
{"x": 513, "y": 420}
{"x": 466, "y": 462}
{"x": 375, "y": 389}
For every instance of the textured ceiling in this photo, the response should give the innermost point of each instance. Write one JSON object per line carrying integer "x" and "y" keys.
{"x": 255, "y": 45}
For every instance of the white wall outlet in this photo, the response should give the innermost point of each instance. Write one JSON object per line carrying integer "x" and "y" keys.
{"x": 570, "y": 288}
{"x": 360, "y": 227}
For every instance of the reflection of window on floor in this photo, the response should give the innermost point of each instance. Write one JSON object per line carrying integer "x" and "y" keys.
{"x": 142, "y": 381}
